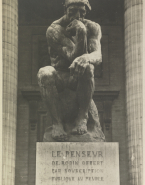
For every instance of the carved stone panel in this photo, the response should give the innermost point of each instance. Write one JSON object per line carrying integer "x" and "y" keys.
{"x": 77, "y": 163}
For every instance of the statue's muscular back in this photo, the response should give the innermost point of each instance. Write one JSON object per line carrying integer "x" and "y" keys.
{"x": 58, "y": 38}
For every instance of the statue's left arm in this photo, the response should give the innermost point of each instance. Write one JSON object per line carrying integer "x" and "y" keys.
{"x": 94, "y": 45}
{"x": 94, "y": 55}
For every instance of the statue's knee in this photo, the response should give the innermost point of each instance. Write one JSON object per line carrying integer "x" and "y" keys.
{"x": 46, "y": 76}
{"x": 89, "y": 72}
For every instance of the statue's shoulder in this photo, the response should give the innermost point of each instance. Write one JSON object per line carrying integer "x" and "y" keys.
{"x": 91, "y": 23}
{"x": 92, "y": 27}
{"x": 55, "y": 29}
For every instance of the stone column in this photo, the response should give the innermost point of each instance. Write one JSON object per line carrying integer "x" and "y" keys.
{"x": 10, "y": 64}
{"x": 133, "y": 27}
{"x": 1, "y": 86}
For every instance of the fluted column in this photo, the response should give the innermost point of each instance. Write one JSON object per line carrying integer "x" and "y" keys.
{"x": 1, "y": 86}
{"x": 10, "y": 63}
{"x": 134, "y": 101}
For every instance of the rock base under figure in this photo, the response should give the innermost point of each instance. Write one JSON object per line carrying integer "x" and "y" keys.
{"x": 88, "y": 137}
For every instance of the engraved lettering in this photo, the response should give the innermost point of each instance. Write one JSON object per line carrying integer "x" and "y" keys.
{"x": 53, "y": 154}
{"x": 70, "y": 162}
{"x": 56, "y": 170}
{"x": 63, "y": 179}
{"x": 55, "y": 163}
{"x": 72, "y": 154}
{"x": 83, "y": 170}
{"x": 58, "y": 153}
{"x": 88, "y": 153}
{"x": 94, "y": 179}
{"x": 100, "y": 154}
{"x": 80, "y": 178}
{"x": 83, "y": 154}
{"x": 94, "y": 154}
{"x": 67, "y": 153}
{"x": 77, "y": 154}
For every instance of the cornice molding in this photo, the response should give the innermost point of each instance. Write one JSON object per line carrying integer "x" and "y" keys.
{"x": 98, "y": 95}
{"x": 105, "y": 95}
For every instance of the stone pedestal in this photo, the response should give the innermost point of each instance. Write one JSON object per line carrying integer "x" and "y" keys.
{"x": 77, "y": 163}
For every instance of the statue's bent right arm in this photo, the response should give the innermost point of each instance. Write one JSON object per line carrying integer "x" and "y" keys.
{"x": 59, "y": 39}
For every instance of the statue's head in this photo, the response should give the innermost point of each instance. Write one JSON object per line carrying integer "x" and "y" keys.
{"x": 76, "y": 9}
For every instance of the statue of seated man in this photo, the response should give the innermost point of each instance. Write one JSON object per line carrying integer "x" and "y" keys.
{"x": 75, "y": 50}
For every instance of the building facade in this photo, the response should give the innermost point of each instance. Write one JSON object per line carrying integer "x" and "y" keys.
{"x": 118, "y": 93}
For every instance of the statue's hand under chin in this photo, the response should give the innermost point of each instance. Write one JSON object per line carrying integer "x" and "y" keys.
{"x": 75, "y": 26}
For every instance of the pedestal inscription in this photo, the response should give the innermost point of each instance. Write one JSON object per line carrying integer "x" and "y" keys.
{"x": 77, "y": 163}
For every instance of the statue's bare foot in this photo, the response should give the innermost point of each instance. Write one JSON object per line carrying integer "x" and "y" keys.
{"x": 58, "y": 133}
{"x": 80, "y": 128}
{"x": 97, "y": 133}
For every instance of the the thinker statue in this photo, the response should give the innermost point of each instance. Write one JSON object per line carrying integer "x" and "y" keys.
{"x": 67, "y": 86}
